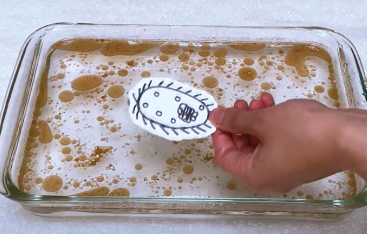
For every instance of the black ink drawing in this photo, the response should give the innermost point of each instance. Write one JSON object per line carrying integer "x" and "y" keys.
{"x": 171, "y": 109}
{"x": 186, "y": 113}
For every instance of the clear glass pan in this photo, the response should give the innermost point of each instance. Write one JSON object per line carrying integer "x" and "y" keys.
{"x": 95, "y": 162}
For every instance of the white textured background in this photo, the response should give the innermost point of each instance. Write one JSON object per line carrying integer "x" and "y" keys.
{"x": 18, "y": 19}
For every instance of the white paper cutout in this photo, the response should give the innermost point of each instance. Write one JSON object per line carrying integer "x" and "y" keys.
{"x": 171, "y": 109}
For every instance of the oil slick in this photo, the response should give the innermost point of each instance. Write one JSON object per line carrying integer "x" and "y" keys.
{"x": 170, "y": 109}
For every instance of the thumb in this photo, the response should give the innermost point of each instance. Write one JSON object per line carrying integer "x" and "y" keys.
{"x": 235, "y": 121}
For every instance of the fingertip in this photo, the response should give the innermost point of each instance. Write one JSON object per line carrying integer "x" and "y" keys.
{"x": 267, "y": 99}
{"x": 256, "y": 105}
{"x": 241, "y": 105}
{"x": 216, "y": 116}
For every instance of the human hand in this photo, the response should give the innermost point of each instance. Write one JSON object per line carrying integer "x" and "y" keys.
{"x": 289, "y": 144}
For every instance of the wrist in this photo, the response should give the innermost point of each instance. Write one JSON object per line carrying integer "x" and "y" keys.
{"x": 352, "y": 142}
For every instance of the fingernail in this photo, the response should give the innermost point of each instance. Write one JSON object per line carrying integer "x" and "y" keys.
{"x": 217, "y": 116}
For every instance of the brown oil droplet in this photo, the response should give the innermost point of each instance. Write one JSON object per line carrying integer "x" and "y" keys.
{"x": 187, "y": 151}
{"x": 179, "y": 180}
{"x": 123, "y": 47}
{"x": 309, "y": 196}
{"x": 38, "y": 180}
{"x": 37, "y": 112}
{"x": 100, "y": 118}
{"x": 145, "y": 74}
{"x": 170, "y": 161}
{"x": 100, "y": 178}
{"x": 300, "y": 193}
{"x": 220, "y": 61}
{"x": 66, "y": 96}
{"x": 57, "y": 136}
{"x": 154, "y": 177}
{"x": 204, "y": 53}
{"x": 247, "y": 46}
{"x": 279, "y": 78}
{"x": 163, "y": 58}
{"x": 120, "y": 192}
{"x": 210, "y": 82}
{"x": 183, "y": 57}
{"x": 333, "y": 93}
{"x": 66, "y": 150}
{"x": 222, "y": 52}
{"x": 280, "y": 67}
{"x": 205, "y": 46}
{"x": 248, "y": 61}
{"x": 247, "y": 73}
{"x": 132, "y": 179}
{"x": 101, "y": 191}
{"x": 45, "y": 132}
{"x": 86, "y": 82}
{"x": 167, "y": 192}
{"x": 297, "y": 57}
{"x": 65, "y": 141}
{"x": 319, "y": 88}
{"x": 60, "y": 76}
{"x": 82, "y": 157}
{"x": 266, "y": 85}
{"x": 352, "y": 183}
{"x": 116, "y": 91}
{"x": 337, "y": 104}
{"x": 42, "y": 93}
{"x": 188, "y": 169}
{"x": 68, "y": 158}
{"x": 52, "y": 183}
{"x": 113, "y": 129}
{"x": 34, "y": 131}
{"x": 138, "y": 167}
{"x": 351, "y": 175}
{"x": 76, "y": 184}
{"x": 170, "y": 48}
{"x": 78, "y": 45}
{"x": 231, "y": 185}
{"x": 122, "y": 72}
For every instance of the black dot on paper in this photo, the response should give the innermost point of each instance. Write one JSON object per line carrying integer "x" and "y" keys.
{"x": 156, "y": 94}
{"x": 201, "y": 107}
{"x": 159, "y": 113}
{"x": 145, "y": 105}
{"x": 177, "y": 98}
{"x": 173, "y": 120}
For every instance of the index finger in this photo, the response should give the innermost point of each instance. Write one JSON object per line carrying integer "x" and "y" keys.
{"x": 236, "y": 121}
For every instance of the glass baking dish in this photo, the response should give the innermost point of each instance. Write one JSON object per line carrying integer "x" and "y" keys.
{"x": 69, "y": 148}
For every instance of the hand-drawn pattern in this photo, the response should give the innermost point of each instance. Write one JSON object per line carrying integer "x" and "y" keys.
{"x": 171, "y": 109}
{"x": 186, "y": 113}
